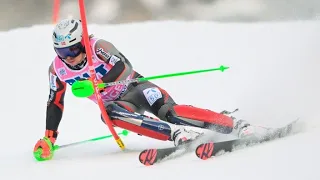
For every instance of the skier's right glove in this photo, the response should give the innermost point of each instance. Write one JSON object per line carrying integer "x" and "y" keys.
{"x": 44, "y": 148}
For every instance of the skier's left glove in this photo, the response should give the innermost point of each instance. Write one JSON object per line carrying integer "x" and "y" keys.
{"x": 44, "y": 148}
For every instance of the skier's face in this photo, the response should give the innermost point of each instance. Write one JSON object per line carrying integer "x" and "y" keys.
{"x": 75, "y": 60}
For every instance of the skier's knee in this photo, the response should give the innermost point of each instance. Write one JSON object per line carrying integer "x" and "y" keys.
{"x": 118, "y": 106}
{"x": 109, "y": 107}
{"x": 164, "y": 111}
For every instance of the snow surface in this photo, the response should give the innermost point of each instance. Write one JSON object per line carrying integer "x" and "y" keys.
{"x": 273, "y": 78}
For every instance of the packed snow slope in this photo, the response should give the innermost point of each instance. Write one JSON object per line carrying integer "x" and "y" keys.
{"x": 273, "y": 79}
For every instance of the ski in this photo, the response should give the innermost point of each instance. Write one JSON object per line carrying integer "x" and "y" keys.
{"x": 206, "y": 150}
{"x": 150, "y": 157}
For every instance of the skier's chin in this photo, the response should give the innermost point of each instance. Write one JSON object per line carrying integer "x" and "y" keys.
{"x": 73, "y": 63}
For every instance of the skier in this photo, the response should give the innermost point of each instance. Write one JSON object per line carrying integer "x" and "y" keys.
{"x": 124, "y": 100}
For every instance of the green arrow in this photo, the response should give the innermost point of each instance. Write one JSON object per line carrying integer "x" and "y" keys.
{"x": 221, "y": 68}
{"x": 124, "y": 133}
{"x": 85, "y": 88}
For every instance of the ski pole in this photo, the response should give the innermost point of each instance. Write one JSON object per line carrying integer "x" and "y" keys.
{"x": 57, "y": 147}
{"x": 85, "y": 88}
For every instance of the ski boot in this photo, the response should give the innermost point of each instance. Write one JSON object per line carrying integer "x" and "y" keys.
{"x": 242, "y": 129}
{"x": 181, "y": 135}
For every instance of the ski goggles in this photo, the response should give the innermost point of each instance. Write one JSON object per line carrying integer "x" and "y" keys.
{"x": 72, "y": 51}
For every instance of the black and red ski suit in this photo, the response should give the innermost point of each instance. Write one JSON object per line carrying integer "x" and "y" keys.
{"x": 134, "y": 100}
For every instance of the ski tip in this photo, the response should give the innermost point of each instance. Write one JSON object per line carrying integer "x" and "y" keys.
{"x": 148, "y": 157}
{"x": 204, "y": 151}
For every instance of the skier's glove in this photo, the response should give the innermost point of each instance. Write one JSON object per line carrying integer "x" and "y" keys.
{"x": 44, "y": 148}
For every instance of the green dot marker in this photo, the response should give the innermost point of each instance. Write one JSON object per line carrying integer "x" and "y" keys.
{"x": 125, "y": 132}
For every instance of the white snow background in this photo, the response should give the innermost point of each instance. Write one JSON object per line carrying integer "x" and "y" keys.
{"x": 273, "y": 79}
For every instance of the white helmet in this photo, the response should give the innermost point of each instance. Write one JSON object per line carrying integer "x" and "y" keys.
{"x": 67, "y": 33}
{"x": 67, "y": 37}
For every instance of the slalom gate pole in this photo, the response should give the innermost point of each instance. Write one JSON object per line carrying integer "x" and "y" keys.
{"x": 56, "y": 9}
{"x": 93, "y": 77}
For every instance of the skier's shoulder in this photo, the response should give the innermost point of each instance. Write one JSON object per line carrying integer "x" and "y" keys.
{"x": 52, "y": 65}
{"x": 51, "y": 68}
{"x": 105, "y": 47}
